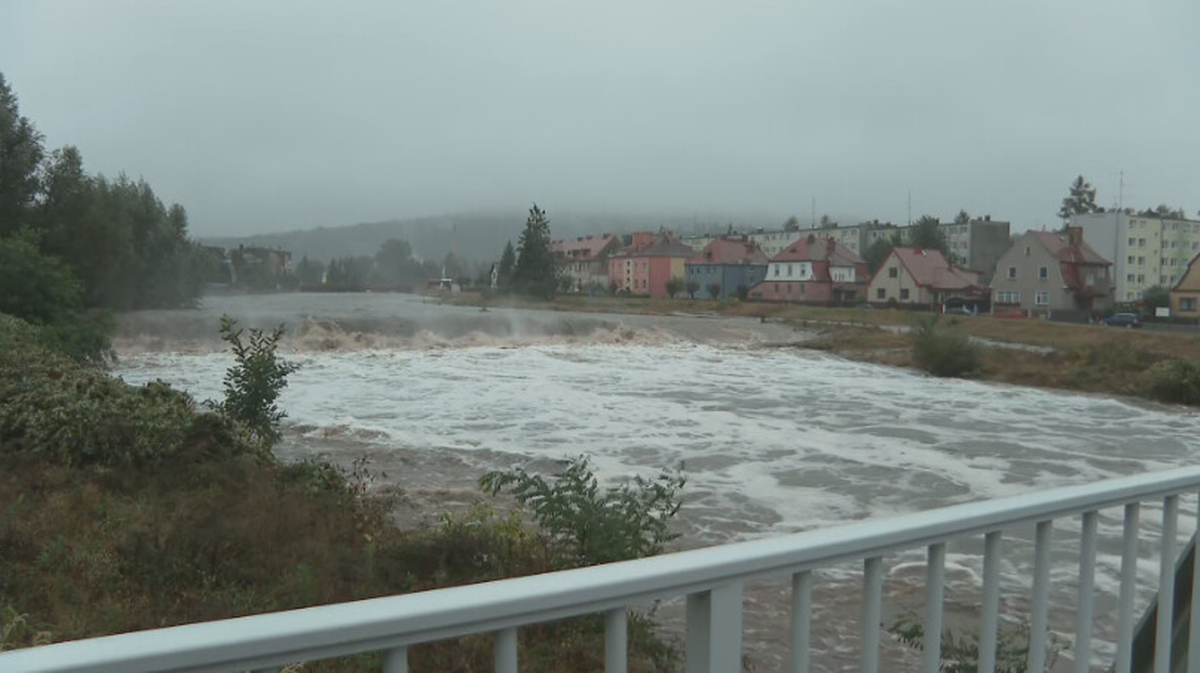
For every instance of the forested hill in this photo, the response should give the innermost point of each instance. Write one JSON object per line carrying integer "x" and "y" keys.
{"x": 481, "y": 236}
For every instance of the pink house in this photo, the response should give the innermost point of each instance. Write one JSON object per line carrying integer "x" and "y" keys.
{"x": 645, "y": 266}
{"x": 814, "y": 270}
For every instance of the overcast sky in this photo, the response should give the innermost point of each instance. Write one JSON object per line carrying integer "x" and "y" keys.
{"x": 263, "y": 116}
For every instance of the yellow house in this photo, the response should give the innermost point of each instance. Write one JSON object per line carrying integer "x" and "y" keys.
{"x": 1185, "y": 296}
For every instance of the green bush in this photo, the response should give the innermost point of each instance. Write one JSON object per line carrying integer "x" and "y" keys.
{"x": 943, "y": 351}
{"x": 587, "y": 525}
{"x": 1176, "y": 381}
{"x": 255, "y": 380}
{"x": 960, "y": 653}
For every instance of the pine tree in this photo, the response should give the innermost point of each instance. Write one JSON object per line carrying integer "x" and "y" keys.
{"x": 508, "y": 259}
{"x": 1082, "y": 199}
{"x": 535, "y": 271}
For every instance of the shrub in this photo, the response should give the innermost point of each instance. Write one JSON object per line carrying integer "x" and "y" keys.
{"x": 253, "y": 383}
{"x": 53, "y": 407}
{"x": 941, "y": 351}
{"x": 588, "y": 526}
{"x": 1176, "y": 381}
{"x": 960, "y": 653}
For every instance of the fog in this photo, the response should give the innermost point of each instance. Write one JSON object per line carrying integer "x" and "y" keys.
{"x": 269, "y": 116}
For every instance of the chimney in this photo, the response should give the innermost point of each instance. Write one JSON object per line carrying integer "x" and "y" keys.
{"x": 830, "y": 245}
{"x": 812, "y": 238}
{"x": 1075, "y": 235}
{"x": 987, "y": 218}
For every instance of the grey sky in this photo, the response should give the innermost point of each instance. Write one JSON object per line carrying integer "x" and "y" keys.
{"x": 263, "y": 116}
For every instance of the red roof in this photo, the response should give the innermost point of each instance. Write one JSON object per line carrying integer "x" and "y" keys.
{"x": 730, "y": 251}
{"x": 1070, "y": 257}
{"x": 818, "y": 249}
{"x": 664, "y": 246}
{"x": 583, "y": 247}
{"x": 929, "y": 268}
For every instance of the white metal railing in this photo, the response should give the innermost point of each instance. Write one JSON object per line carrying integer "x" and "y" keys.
{"x": 710, "y": 578}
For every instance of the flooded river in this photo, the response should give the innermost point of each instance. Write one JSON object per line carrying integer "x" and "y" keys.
{"x": 774, "y": 439}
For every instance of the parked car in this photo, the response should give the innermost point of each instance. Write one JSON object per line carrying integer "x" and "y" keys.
{"x": 957, "y": 310}
{"x": 1123, "y": 320}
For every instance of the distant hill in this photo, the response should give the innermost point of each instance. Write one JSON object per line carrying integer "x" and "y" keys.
{"x": 481, "y": 236}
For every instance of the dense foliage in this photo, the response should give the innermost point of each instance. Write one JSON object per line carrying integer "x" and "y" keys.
{"x": 123, "y": 246}
{"x": 1176, "y": 381}
{"x": 943, "y": 351}
{"x": 588, "y": 525}
{"x": 960, "y": 652}
{"x": 253, "y": 383}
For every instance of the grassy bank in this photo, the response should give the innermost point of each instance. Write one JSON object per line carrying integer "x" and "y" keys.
{"x": 126, "y": 508}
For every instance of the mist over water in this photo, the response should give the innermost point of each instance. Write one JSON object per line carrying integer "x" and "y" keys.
{"x": 774, "y": 440}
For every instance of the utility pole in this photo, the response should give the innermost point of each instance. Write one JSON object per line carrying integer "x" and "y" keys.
{"x": 910, "y": 207}
{"x": 1121, "y": 191}
{"x": 814, "y": 213}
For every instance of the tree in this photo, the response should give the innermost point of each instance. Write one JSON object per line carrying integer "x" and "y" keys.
{"x": 714, "y": 290}
{"x": 254, "y": 381}
{"x": 20, "y": 153}
{"x": 692, "y": 287}
{"x": 1158, "y": 296}
{"x": 508, "y": 260}
{"x": 674, "y": 286}
{"x": 792, "y": 224}
{"x": 42, "y": 291}
{"x": 963, "y": 217}
{"x": 876, "y": 253}
{"x": 309, "y": 271}
{"x": 536, "y": 271}
{"x": 1082, "y": 199}
{"x": 926, "y": 233}
{"x": 828, "y": 222}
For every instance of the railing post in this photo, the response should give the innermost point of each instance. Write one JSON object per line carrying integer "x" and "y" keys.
{"x": 1193, "y": 663}
{"x": 1129, "y": 559}
{"x": 1087, "y": 578}
{"x": 989, "y": 622}
{"x": 802, "y": 583}
{"x": 714, "y": 630}
{"x": 616, "y": 641}
{"x": 935, "y": 581}
{"x": 396, "y": 660}
{"x": 505, "y": 654}
{"x": 1041, "y": 596}
{"x": 872, "y": 613}
{"x": 1166, "y": 587}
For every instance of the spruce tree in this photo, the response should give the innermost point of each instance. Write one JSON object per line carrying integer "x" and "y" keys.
{"x": 1082, "y": 199}
{"x": 535, "y": 272}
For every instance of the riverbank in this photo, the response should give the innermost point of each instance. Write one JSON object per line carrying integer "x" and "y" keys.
{"x": 1039, "y": 353}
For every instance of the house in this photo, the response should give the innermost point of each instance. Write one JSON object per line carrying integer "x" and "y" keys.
{"x": 1052, "y": 275}
{"x": 816, "y": 270}
{"x": 1185, "y": 296}
{"x": 726, "y": 264}
{"x": 919, "y": 277}
{"x": 259, "y": 268}
{"x": 645, "y": 266}
{"x": 1146, "y": 249}
{"x": 584, "y": 259}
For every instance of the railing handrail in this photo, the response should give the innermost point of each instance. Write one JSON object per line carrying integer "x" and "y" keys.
{"x": 382, "y": 623}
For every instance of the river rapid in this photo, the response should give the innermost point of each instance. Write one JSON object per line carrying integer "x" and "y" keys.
{"x": 774, "y": 439}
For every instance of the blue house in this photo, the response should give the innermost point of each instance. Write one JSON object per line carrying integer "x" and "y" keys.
{"x": 725, "y": 266}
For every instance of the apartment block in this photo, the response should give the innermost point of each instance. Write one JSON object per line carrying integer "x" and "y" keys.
{"x": 1146, "y": 250}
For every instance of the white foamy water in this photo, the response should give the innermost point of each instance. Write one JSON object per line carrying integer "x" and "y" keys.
{"x": 774, "y": 441}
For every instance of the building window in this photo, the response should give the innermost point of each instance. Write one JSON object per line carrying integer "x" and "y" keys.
{"x": 1012, "y": 273}
{"x": 1043, "y": 272}
{"x": 904, "y": 293}
{"x": 1141, "y": 242}
{"x": 1131, "y": 259}
{"x": 776, "y": 270}
{"x": 1027, "y": 250}
{"x": 880, "y": 293}
{"x": 776, "y": 288}
{"x": 1187, "y": 304}
{"x": 893, "y": 272}
{"x": 1129, "y": 278}
{"x": 1041, "y": 298}
{"x": 1132, "y": 241}
{"x": 789, "y": 288}
{"x": 1141, "y": 261}
{"x": 1008, "y": 297}
{"x": 789, "y": 271}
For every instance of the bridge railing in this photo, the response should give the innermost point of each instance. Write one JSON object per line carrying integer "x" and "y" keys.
{"x": 711, "y": 579}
